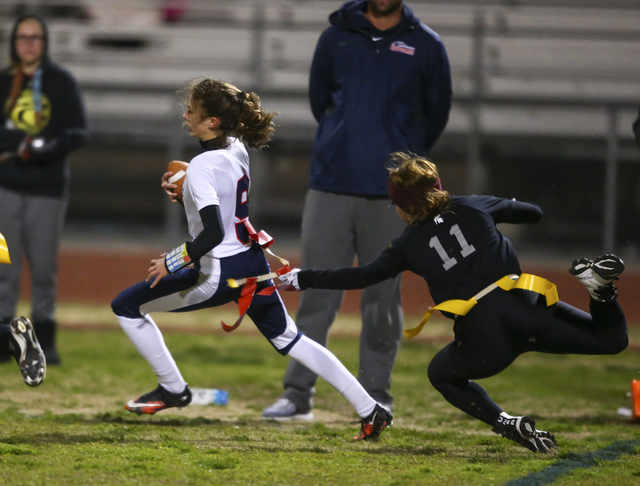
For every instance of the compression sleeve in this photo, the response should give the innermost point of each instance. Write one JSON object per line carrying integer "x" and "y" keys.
{"x": 507, "y": 210}
{"x": 211, "y": 235}
{"x": 524, "y": 212}
{"x": 388, "y": 265}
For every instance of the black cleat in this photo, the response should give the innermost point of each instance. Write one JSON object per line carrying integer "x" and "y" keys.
{"x": 373, "y": 425}
{"x": 26, "y": 349}
{"x": 523, "y": 431}
{"x": 598, "y": 276}
{"x": 159, "y": 399}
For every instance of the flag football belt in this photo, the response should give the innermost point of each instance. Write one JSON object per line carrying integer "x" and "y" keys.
{"x": 508, "y": 282}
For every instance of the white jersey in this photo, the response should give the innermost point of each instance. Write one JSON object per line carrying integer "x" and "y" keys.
{"x": 221, "y": 178}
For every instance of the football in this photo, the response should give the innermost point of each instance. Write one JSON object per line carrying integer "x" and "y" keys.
{"x": 179, "y": 170}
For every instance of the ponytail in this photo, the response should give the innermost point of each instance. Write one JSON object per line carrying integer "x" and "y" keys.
{"x": 240, "y": 113}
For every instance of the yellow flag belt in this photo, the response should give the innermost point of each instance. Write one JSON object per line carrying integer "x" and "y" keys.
{"x": 508, "y": 282}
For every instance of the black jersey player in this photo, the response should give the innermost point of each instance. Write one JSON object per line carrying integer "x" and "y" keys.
{"x": 453, "y": 243}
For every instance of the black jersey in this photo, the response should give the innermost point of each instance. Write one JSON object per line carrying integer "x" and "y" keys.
{"x": 458, "y": 253}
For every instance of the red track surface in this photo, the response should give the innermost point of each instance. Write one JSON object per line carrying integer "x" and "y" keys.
{"x": 97, "y": 277}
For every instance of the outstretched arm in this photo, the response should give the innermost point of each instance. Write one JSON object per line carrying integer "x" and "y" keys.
{"x": 388, "y": 265}
{"x": 508, "y": 210}
{"x": 341, "y": 279}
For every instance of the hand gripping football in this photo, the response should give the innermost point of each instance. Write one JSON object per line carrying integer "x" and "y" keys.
{"x": 179, "y": 170}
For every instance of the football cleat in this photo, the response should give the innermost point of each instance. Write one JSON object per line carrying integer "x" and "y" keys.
{"x": 598, "y": 276}
{"x": 372, "y": 426}
{"x": 522, "y": 430}
{"x": 159, "y": 399}
{"x": 285, "y": 410}
{"x": 26, "y": 349}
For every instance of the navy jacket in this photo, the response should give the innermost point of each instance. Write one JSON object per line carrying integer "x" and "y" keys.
{"x": 374, "y": 93}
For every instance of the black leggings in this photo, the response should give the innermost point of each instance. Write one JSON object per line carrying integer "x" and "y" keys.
{"x": 502, "y": 326}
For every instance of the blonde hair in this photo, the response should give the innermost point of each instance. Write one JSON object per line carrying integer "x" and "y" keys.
{"x": 241, "y": 114}
{"x": 411, "y": 171}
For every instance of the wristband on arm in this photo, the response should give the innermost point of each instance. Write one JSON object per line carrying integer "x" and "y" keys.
{"x": 177, "y": 258}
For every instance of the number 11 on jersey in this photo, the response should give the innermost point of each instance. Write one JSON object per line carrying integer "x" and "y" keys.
{"x": 465, "y": 248}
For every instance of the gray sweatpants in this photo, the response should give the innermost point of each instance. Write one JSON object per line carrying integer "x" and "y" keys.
{"x": 32, "y": 226}
{"x": 335, "y": 229}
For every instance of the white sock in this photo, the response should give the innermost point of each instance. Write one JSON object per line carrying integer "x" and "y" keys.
{"x": 147, "y": 338}
{"x": 324, "y": 364}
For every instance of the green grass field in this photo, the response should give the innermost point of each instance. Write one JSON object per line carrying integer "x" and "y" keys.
{"x": 73, "y": 429}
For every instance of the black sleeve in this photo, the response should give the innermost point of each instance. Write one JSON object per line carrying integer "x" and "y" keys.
{"x": 211, "y": 235}
{"x": 524, "y": 212}
{"x": 388, "y": 265}
{"x": 507, "y": 210}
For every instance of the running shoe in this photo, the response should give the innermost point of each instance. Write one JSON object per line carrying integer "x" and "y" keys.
{"x": 284, "y": 410}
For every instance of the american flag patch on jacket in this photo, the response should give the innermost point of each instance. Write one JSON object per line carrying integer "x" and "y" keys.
{"x": 398, "y": 46}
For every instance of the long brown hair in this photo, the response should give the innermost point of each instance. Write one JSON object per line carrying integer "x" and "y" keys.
{"x": 241, "y": 114}
{"x": 16, "y": 70}
{"x": 412, "y": 171}
{"x": 15, "y": 60}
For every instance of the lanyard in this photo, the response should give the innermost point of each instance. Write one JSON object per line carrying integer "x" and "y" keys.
{"x": 37, "y": 94}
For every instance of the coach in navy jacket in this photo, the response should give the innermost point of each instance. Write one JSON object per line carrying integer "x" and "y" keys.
{"x": 374, "y": 93}
{"x": 380, "y": 83}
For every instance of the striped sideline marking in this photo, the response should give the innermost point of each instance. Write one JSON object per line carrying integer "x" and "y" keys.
{"x": 564, "y": 466}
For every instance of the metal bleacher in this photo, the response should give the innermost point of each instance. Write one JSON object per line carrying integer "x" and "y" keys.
{"x": 536, "y": 68}
{"x": 529, "y": 51}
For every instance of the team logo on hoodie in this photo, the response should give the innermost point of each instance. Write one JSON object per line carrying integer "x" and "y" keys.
{"x": 24, "y": 115}
{"x": 399, "y": 46}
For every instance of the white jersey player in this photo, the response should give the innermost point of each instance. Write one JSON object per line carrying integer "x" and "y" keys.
{"x": 193, "y": 276}
{"x": 219, "y": 178}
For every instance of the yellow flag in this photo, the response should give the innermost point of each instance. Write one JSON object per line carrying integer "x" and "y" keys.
{"x": 4, "y": 251}
{"x": 462, "y": 307}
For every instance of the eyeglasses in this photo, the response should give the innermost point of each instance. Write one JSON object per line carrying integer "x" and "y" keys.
{"x": 29, "y": 38}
